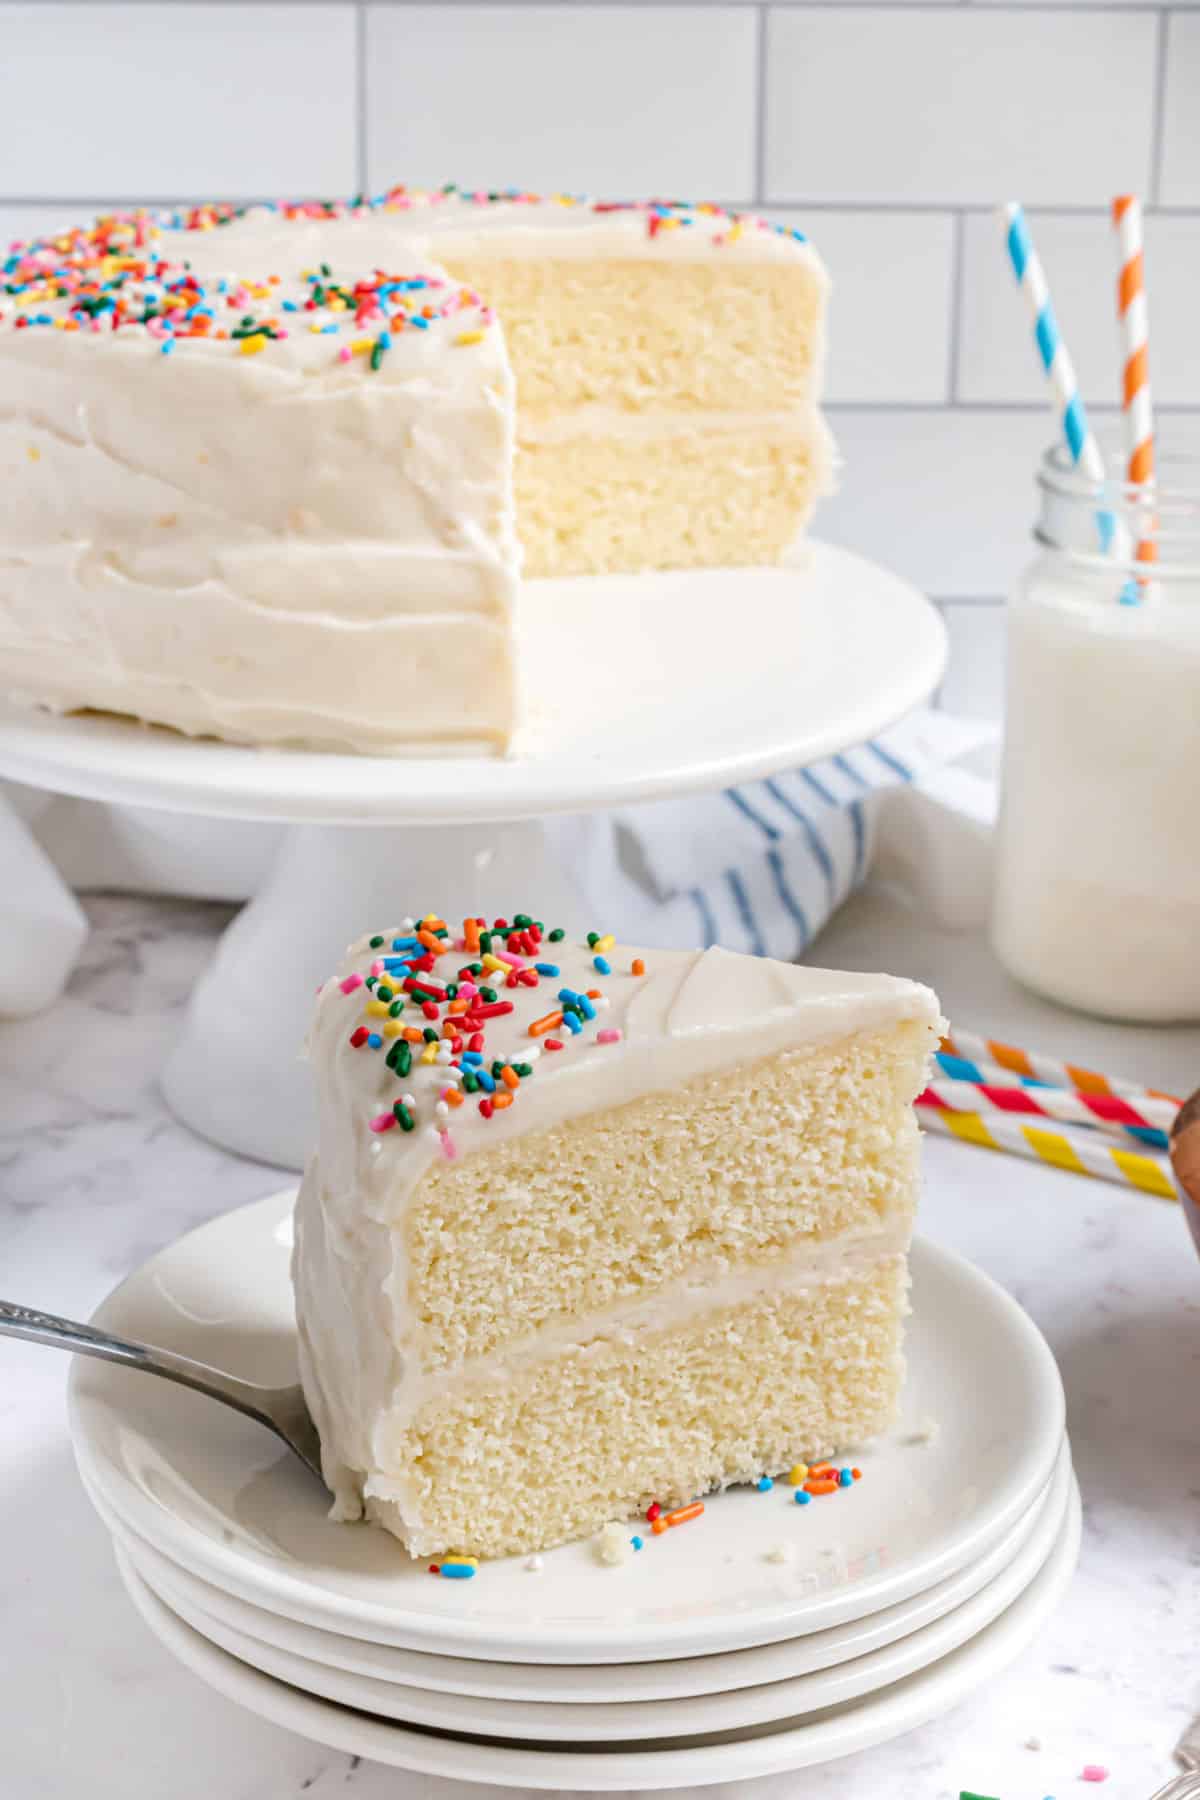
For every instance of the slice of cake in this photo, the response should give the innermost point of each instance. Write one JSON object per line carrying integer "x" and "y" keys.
{"x": 588, "y": 1227}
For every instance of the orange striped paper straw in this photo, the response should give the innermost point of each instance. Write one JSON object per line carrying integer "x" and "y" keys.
{"x": 1131, "y": 310}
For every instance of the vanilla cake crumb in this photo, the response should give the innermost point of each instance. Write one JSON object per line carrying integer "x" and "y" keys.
{"x": 613, "y": 1546}
{"x": 927, "y": 1432}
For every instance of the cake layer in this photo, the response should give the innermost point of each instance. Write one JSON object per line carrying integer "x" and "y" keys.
{"x": 455, "y": 226}
{"x": 717, "y": 335}
{"x": 647, "y": 305}
{"x": 554, "y": 1450}
{"x": 662, "y": 1018}
{"x": 660, "y": 497}
{"x": 732, "y": 1168}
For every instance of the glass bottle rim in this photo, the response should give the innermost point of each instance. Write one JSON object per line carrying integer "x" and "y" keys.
{"x": 1116, "y": 523}
{"x": 1174, "y": 487}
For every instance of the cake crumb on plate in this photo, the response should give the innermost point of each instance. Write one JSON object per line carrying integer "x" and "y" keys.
{"x": 613, "y": 1545}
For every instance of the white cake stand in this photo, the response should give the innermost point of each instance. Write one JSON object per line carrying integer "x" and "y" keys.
{"x": 639, "y": 688}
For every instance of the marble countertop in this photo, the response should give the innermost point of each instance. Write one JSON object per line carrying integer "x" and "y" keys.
{"x": 97, "y": 1176}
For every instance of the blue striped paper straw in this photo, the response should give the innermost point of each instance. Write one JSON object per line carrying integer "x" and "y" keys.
{"x": 1056, "y": 360}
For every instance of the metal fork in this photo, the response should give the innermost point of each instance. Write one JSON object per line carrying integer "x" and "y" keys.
{"x": 1187, "y": 1785}
{"x": 282, "y": 1410}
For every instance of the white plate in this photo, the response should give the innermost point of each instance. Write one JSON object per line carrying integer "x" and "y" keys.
{"x": 218, "y": 1494}
{"x": 621, "y": 1720}
{"x": 852, "y": 648}
{"x": 761, "y": 1750}
{"x": 580, "y": 1683}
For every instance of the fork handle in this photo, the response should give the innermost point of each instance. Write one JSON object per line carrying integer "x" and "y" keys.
{"x": 1180, "y": 1787}
{"x": 88, "y": 1340}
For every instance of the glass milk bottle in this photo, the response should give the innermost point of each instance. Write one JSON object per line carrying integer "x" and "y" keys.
{"x": 1097, "y": 887}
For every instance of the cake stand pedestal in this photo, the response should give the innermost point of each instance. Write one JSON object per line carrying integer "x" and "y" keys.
{"x": 639, "y": 688}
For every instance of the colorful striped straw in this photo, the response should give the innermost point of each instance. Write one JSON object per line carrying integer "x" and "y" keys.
{"x": 1056, "y": 360}
{"x": 1149, "y": 1122}
{"x": 1131, "y": 310}
{"x": 966, "y": 1068}
{"x": 969, "y": 1049}
{"x": 1082, "y": 1152}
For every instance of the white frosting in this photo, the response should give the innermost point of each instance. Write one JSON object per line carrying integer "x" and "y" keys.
{"x": 264, "y": 546}
{"x": 428, "y": 227}
{"x": 693, "y": 1013}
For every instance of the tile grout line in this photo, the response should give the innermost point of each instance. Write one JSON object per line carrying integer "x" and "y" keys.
{"x": 1028, "y": 409}
{"x": 360, "y": 95}
{"x": 935, "y": 699}
{"x": 1045, "y": 209}
{"x": 958, "y": 280}
{"x": 1158, "y": 122}
{"x": 881, "y": 208}
{"x": 1025, "y": 8}
{"x": 170, "y": 202}
{"x": 972, "y": 208}
{"x": 760, "y": 108}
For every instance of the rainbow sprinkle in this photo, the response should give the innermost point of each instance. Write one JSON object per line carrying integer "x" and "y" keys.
{"x": 821, "y": 1478}
{"x": 458, "y": 1009}
{"x": 141, "y": 228}
{"x": 455, "y": 1567}
{"x": 84, "y": 283}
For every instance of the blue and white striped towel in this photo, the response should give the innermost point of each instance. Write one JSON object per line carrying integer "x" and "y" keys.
{"x": 762, "y": 866}
{"x": 759, "y": 867}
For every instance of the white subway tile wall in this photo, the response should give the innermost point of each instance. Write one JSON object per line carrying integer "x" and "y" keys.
{"x": 171, "y": 99}
{"x": 622, "y": 99}
{"x": 890, "y": 340}
{"x": 888, "y": 131}
{"x": 974, "y": 683}
{"x": 881, "y": 104}
{"x": 1181, "y": 117}
{"x": 942, "y": 495}
{"x": 995, "y": 365}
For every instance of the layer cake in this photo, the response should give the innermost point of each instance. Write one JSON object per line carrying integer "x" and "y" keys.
{"x": 271, "y": 472}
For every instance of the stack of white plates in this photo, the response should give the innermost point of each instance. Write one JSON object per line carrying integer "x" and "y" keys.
{"x": 760, "y": 1638}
